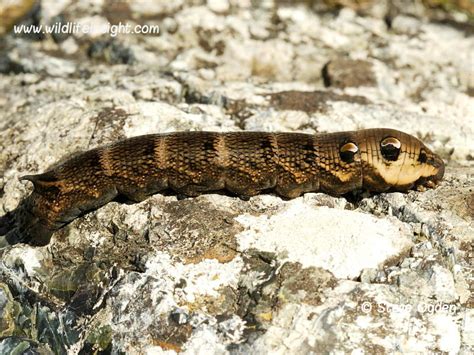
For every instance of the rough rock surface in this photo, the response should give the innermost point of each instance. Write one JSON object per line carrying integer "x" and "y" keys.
{"x": 379, "y": 274}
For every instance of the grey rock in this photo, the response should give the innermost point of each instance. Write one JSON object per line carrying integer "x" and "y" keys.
{"x": 342, "y": 73}
{"x": 215, "y": 274}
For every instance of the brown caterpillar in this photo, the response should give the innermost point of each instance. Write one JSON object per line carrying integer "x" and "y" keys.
{"x": 243, "y": 163}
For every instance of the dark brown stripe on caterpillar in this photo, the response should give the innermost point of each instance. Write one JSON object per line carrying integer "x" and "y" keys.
{"x": 243, "y": 163}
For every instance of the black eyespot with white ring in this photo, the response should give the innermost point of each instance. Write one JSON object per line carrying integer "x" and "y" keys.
{"x": 390, "y": 148}
{"x": 348, "y": 151}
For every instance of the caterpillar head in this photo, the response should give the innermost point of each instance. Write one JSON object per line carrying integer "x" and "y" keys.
{"x": 395, "y": 160}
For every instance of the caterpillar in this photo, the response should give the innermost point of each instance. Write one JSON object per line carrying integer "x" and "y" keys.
{"x": 242, "y": 163}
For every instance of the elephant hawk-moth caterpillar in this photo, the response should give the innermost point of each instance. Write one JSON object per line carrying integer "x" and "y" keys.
{"x": 242, "y": 163}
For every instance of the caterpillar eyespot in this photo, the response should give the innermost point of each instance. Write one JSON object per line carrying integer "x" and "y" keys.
{"x": 390, "y": 148}
{"x": 348, "y": 151}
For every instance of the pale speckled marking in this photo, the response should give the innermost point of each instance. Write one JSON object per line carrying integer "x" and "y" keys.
{"x": 105, "y": 162}
{"x": 274, "y": 146}
{"x": 222, "y": 152}
{"x": 160, "y": 152}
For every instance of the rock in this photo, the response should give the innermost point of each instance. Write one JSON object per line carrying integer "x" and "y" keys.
{"x": 165, "y": 274}
{"x": 357, "y": 307}
{"x": 309, "y": 101}
{"x": 336, "y": 245}
{"x": 170, "y": 25}
{"x": 8, "y": 66}
{"x": 343, "y": 73}
{"x": 443, "y": 285}
{"x": 143, "y": 8}
{"x": 406, "y": 25}
{"x": 218, "y": 6}
{"x": 382, "y": 273}
{"x": 9, "y": 310}
{"x": 111, "y": 52}
{"x": 13, "y": 12}
{"x": 59, "y": 36}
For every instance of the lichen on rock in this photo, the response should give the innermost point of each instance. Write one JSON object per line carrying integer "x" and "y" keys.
{"x": 379, "y": 273}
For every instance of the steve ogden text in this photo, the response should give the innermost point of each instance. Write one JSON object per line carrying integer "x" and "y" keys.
{"x": 439, "y": 307}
